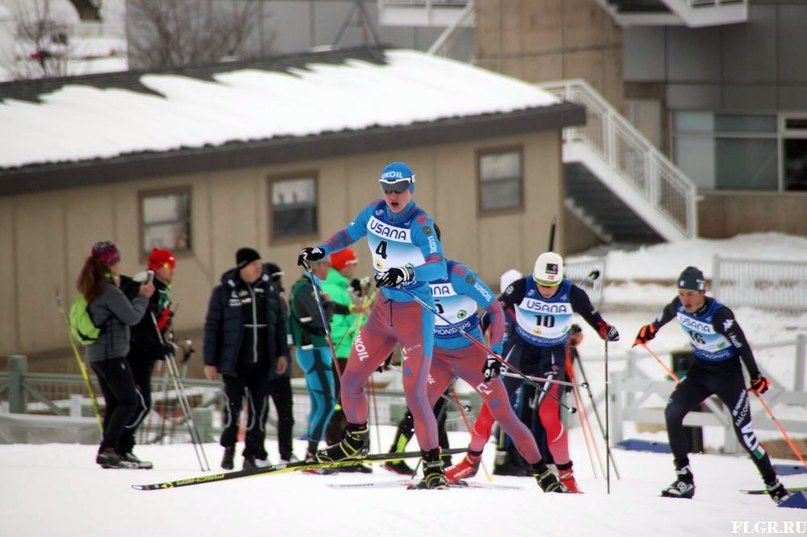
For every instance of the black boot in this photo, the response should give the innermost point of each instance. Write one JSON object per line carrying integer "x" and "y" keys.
{"x": 354, "y": 445}
{"x": 433, "y": 474}
{"x": 227, "y": 461}
{"x": 143, "y": 465}
{"x": 546, "y": 479}
{"x": 776, "y": 491}
{"x": 683, "y": 486}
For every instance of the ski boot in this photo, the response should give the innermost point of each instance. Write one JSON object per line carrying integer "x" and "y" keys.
{"x": 143, "y": 465}
{"x": 468, "y": 467}
{"x": 566, "y": 477}
{"x": 433, "y": 475}
{"x": 399, "y": 467}
{"x": 354, "y": 445}
{"x": 683, "y": 486}
{"x": 777, "y": 491}
{"x": 546, "y": 479}
{"x": 228, "y": 460}
{"x": 109, "y": 458}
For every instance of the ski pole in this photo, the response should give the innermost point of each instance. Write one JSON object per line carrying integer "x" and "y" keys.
{"x": 607, "y": 424}
{"x": 470, "y": 430}
{"x": 184, "y": 404}
{"x": 609, "y": 455}
{"x": 662, "y": 364}
{"x": 325, "y": 324}
{"x": 585, "y": 423}
{"x": 484, "y": 347}
{"x": 544, "y": 379}
{"x": 781, "y": 429}
{"x": 81, "y": 367}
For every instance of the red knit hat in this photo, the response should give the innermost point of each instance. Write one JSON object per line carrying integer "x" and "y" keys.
{"x": 106, "y": 252}
{"x": 159, "y": 257}
{"x": 343, "y": 258}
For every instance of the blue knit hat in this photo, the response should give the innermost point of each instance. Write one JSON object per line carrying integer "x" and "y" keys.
{"x": 396, "y": 172}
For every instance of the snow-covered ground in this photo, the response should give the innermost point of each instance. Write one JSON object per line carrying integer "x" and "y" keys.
{"x": 58, "y": 490}
{"x": 53, "y": 490}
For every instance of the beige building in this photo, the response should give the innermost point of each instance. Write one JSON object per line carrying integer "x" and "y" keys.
{"x": 492, "y": 179}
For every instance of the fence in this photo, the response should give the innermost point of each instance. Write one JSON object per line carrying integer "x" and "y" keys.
{"x": 631, "y": 389}
{"x": 40, "y": 407}
{"x": 579, "y": 271}
{"x": 769, "y": 284}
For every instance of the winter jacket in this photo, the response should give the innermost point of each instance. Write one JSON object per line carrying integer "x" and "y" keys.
{"x": 229, "y": 310}
{"x": 343, "y": 327}
{"x": 114, "y": 314}
{"x": 145, "y": 344}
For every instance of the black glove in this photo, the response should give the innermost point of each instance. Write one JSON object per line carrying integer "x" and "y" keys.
{"x": 166, "y": 349}
{"x": 759, "y": 384}
{"x": 607, "y": 331}
{"x": 646, "y": 333}
{"x": 309, "y": 254}
{"x": 394, "y": 277}
{"x": 492, "y": 369}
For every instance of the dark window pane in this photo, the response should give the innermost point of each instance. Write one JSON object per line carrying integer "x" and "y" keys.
{"x": 294, "y": 207}
{"x": 746, "y": 164}
{"x": 744, "y": 123}
{"x": 500, "y": 181}
{"x": 796, "y": 164}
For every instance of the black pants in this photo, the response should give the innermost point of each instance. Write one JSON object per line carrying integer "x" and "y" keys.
{"x": 726, "y": 381}
{"x": 406, "y": 427}
{"x": 256, "y": 385}
{"x": 280, "y": 391}
{"x": 141, "y": 370}
{"x": 120, "y": 398}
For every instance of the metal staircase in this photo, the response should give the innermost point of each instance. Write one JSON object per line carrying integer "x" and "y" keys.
{"x": 434, "y": 13}
{"x": 617, "y": 181}
{"x": 691, "y": 13}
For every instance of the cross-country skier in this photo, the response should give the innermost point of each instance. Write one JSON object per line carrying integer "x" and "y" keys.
{"x": 455, "y": 356}
{"x": 718, "y": 344}
{"x": 406, "y": 254}
{"x": 543, "y": 305}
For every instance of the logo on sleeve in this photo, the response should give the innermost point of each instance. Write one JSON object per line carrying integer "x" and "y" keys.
{"x": 427, "y": 230}
{"x": 470, "y": 279}
{"x": 728, "y": 324}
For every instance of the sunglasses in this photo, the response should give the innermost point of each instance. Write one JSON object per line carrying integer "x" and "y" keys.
{"x": 398, "y": 187}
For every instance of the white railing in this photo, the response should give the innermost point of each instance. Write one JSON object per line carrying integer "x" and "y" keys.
{"x": 636, "y": 160}
{"x": 768, "y": 284}
{"x": 441, "y": 44}
{"x": 580, "y": 272}
{"x": 696, "y": 13}
{"x": 422, "y": 12}
{"x": 638, "y": 397}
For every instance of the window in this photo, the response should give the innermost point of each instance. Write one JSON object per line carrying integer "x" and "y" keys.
{"x": 500, "y": 180}
{"x": 727, "y": 151}
{"x": 166, "y": 220}
{"x": 294, "y": 205}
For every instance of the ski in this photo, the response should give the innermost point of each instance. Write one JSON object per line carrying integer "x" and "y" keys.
{"x": 297, "y": 466}
{"x": 406, "y": 483}
{"x": 763, "y": 491}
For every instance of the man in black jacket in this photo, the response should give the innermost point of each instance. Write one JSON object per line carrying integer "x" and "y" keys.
{"x": 147, "y": 345}
{"x": 245, "y": 340}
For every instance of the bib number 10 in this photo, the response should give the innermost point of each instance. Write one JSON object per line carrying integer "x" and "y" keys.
{"x": 547, "y": 321}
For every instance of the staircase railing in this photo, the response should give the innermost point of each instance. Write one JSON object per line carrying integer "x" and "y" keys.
{"x": 632, "y": 156}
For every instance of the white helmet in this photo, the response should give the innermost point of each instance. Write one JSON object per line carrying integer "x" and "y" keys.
{"x": 508, "y": 278}
{"x": 548, "y": 269}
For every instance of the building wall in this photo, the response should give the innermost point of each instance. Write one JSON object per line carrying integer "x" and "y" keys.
{"x": 726, "y": 214}
{"x": 544, "y": 40}
{"x": 47, "y": 236}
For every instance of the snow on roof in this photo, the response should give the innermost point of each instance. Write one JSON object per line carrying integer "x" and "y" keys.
{"x": 78, "y": 122}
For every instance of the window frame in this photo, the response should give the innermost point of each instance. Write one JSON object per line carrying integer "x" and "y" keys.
{"x": 480, "y": 153}
{"x": 157, "y": 192}
{"x": 291, "y": 176}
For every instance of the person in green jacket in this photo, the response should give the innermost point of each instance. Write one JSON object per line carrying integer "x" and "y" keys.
{"x": 312, "y": 349}
{"x": 343, "y": 288}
